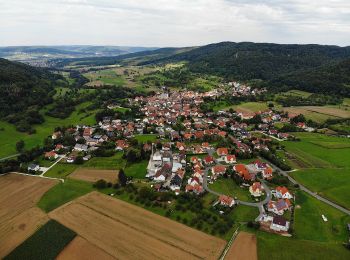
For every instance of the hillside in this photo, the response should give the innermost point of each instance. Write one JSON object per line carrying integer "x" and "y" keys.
{"x": 304, "y": 67}
{"x": 23, "y": 90}
{"x": 130, "y": 58}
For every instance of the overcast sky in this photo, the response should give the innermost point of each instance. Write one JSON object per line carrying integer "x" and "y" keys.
{"x": 173, "y": 22}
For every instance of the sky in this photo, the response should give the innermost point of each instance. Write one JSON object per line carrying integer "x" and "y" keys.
{"x": 160, "y": 23}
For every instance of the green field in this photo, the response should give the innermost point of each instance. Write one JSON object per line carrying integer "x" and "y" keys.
{"x": 251, "y": 106}
{"x": 146, "y": 137}
{"x": 108, "y": 77}
{"x": 61, "y": 170}
{"x": 242, "y": 213}
{"x": 46, "y": 243}
{"x": 9, "y": 136}
{"x": 63, "y": 193}
{"x": 137, "y": 170}
{"x": 313, "y": 238}
{"x": 323, "y": 165}
{"x": 109, "y": 163}
{"x": 230, "y": 188}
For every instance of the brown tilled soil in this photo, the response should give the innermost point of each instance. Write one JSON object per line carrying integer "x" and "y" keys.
{"x": 93, "y": 175}
{"x": 18, "y": 212}
{"x": 81, "y": 249}
{"x": 243, "y": 247}
{"x": 126, "y": 231}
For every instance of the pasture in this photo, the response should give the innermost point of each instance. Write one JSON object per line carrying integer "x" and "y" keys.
{"x": 127, "y": 231}
{"x": 93, "y": 175}
{"x": 19, "y": 215}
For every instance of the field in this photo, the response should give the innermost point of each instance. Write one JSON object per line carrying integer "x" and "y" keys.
{"x": 323, "y": 165}
{"x": 9, "y": 136}
{"x": 145, "y": 138}
{"x": 318, "y": 113}
{"x": 243, "y": 247}
{"x": 81, "y": 249}
{"x": 61, "y": 170}
{"x": 246, "y": 107}
{"x": 63, "y": 193}
{"x": 46, "y": 243}
{"x": 109, "y": 163}
{"x": 19, "y": 216}
{"x": 93, "y": 175}
{"x": 230, "y": 188}
{"x": 126, "y": 231}
{"x": 137, "y": 170}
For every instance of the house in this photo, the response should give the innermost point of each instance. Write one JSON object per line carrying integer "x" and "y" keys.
{"x": 70, "y": 159}
{"x": 197, "y": 189}
{"x": 80, "y": 147}
{"x": 218, "y": 170}
{"x": 283, "y": 193}
{"x": 51, "y": 155}
{"x": 121, "y": 145}
{"x": 230, "y": 158}
{"x": 256, "y": 189}
{"x": 279, "y": 207}
{"x": 33, "y": 167}
{"x": 175, "y": 182}
{"x": 180, "y": 146}
{"x": 208, "y": 160}
{"x": 87, "y": 157}
{"x": 222, "y": 151}
{"x": 267, "y": 173}
{"x": 59, "y": 147}
{"x": 163, "y": 173}
{"x": 279, "y": 224}
{"x": 260, "y": 165}
{"x": 243, "y": 172}
{"x": 56, "y": 135}
{"x": 226, "y": 201}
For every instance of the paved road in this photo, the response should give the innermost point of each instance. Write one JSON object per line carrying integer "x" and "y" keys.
{"x": 259, "y": 205}
{"x": 59, "y": 159}
{"x": 313, "y": 194}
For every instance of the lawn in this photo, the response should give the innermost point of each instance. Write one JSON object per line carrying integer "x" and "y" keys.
{"x": 137, "y": 170}
{"x": 251, "y": 107}
{"x": 63, "y": 193}
{"x": 242, "y": 213}
{"x": 61, "y": 170}
{"x": 109, "y": 163}
{"x": 146, "y": 137}
{"x": 230, "y": 188}
{"x": 9, "y": 136}
{"x": 271, "y": 246}
{"x": 46, "y": 243}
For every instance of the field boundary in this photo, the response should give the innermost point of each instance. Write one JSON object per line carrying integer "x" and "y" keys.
{"x": 229, "y": 244}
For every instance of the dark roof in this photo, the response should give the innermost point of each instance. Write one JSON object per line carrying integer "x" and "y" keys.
{"x": 278, "y": 220}
{"x": 176, "y": 180}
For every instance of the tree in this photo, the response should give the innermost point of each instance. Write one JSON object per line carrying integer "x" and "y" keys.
{"x": 122, "y": 178}
{"x": 20, "y": 146}
{"x": 100, "y": 184}
{"x": 79, "y": 160}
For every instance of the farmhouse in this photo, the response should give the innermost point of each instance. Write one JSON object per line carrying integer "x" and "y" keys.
{"x": 230, "y": 159}
{"x": 33, "y": 167}
{"x": 222, "y": 151}
{"x": 51, "y": 155}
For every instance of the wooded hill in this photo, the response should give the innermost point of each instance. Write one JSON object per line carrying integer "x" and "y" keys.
{"x": 314, "y": 68}
{"x": 23, "y": 91}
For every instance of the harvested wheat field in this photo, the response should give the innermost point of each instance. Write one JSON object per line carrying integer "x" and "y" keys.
{"x": 18, "y": 212}
{"x": 80, "y": 249}
{"x": 126, "y": 231}
{"x": 93, "y": 175}
{"x": 244, "y": 247}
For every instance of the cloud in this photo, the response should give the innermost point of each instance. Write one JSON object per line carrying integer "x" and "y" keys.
{"x": 173, "y": 23}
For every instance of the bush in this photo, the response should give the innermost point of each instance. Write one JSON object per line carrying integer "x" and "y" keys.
{"x": 100, "y": 184}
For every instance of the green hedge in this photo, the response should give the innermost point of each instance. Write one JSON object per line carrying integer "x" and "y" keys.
{"x": 46, "y": 243}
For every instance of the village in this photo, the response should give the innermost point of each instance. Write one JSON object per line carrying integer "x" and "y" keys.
{"x": 192, "y": 150}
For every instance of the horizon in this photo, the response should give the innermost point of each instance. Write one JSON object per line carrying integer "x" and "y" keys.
{"x": 176, "y": 24}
